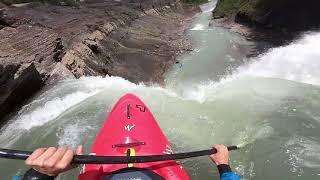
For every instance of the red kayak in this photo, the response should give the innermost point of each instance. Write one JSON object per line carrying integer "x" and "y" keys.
{"x": 131, "y": 129}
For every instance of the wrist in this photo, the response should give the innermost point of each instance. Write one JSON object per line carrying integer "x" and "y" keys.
{"x": 224, "y": 168}
{"x": 34, "y": 174}
{"x": 222, "y": 163}
{"x": 45, "y": 173}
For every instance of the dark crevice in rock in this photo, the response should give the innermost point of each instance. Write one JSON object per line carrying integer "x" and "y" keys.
{"x": 58, "y": 50}
{"x": 4, "y": 20}
{"x": 14, "y": 91}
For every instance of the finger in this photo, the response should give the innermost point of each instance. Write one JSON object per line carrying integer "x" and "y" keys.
{"x": 35, "y": 155}
{"x": 66, "y": 160}
{"x": 79, "y": 150}
{"x": 47, "y": 154}
{"x": 56, "y": 157}
{"x": 216, "y": 147}
{"x": 219, "y": 147}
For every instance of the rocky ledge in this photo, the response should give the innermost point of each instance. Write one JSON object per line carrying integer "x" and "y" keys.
{"x": 42, "y": 43}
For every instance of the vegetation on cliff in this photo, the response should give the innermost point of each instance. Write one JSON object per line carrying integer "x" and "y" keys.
{"x": 283, "y": 14}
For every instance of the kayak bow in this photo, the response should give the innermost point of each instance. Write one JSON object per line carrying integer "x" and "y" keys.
{"x": 131, "y": 130}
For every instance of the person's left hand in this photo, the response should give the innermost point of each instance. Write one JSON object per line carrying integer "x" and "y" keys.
{"x": 52, "y": 161}
{"x": 222, "y": 155}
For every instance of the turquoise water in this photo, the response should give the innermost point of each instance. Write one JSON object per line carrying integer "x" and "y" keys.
{"x": 269, "y": 104}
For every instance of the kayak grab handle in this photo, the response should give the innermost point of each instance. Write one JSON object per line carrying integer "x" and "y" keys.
{"x": 91, "y": 159}
{"x": 128, "y": 145}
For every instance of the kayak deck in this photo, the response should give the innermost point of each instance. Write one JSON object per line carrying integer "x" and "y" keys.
{"x": 130, "y": 129}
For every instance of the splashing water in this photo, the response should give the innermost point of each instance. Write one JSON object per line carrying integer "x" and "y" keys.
{"x": 296, "y": 62}
{"x": 198, "y": 27}
{"x": 270, "y": 104}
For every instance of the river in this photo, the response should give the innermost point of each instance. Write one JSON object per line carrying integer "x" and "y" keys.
{"x": 269, "y": 104}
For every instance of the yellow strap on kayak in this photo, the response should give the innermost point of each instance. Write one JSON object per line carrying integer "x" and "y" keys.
{"x": 132, "y": 153}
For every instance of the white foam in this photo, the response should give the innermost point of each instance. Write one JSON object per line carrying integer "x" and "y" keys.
{"x": 209, "y": 10}
{"x": 302, "y": 152}
{"x": 41, "y": 115}
{"x": 198, "y": 27}
{"x": 298, "y": 62}
{"x": 50, "y": 106}
{"x": 50, "y": 110}
{"x": 70, "y": 135}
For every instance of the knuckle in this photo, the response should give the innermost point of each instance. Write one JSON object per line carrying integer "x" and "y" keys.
{"x": 69, "y": 152}
{"x": 28, "y": 162}
{"x": 40, "y": 150}
{"x": 52, "y": 149}
{"x": 61, "y": 166}
{"x": 62, "y": 149}
{"x": 39, "y": 163}
{"x": 49, "y": 164}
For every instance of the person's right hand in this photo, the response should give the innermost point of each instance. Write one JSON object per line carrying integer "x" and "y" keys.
{"x": 52, "y": 161}
{"x": 222, "y": 156}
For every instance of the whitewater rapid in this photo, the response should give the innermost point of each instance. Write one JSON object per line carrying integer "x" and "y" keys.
{"x": 270, "y": 104}
{"x": 297, "y": 62}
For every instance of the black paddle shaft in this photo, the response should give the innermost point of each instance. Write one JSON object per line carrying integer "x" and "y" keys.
{"x": 91, "y": 159}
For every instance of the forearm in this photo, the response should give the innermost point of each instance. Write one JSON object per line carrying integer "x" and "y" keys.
{"x": 226, "y": 173}
{"x": 31, "y": 174}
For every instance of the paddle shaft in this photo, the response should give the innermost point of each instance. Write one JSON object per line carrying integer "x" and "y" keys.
{"x": 91, "y": 159}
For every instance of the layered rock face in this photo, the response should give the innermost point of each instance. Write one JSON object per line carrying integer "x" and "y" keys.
{"x": 137, "y": 40}
{"x": 282, "y": 15}
{"x": 97, "y": 38}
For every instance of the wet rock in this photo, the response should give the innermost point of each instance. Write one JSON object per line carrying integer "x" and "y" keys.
{"x": 14, "y": 91}
{"x": 60, "y": 72}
